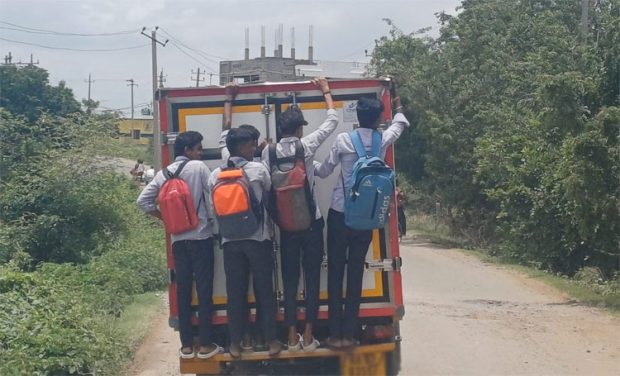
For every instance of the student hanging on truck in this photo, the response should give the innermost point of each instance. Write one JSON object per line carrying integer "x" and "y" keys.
{"x": 347, "y": 246}
{"x": 295, "y": 210}
{"x": 239, "y": 189}
{"x": 230, "y": 91}
{"x": 192, "y": 249}
{"x": 252, "y": 337}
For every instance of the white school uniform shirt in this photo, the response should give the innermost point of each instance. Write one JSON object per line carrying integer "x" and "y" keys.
{"x": 196, "y": 175}
{"x": 311, "y": 142}
{"x": 343, "y": 151}
{"x": 260, "y": 182}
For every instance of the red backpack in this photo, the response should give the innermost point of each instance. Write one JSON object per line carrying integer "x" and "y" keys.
{"x": 176, "y": 204}
{"x": 292, "y": 204}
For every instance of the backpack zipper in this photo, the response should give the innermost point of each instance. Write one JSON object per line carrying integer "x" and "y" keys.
{"x": 374, "y": 204}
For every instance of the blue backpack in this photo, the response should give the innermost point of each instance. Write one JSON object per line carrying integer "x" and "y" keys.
{"x": 370, "y": 189}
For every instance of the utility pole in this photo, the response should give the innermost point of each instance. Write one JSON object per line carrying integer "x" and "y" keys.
{"x": 89, "y": 83}
{"x": 156, "y": 126}
{"x": 132, "y": 84}
{"x": 210, "y": 79}
{"x": 198, "y": 76}
{"x": 8, "y": 58}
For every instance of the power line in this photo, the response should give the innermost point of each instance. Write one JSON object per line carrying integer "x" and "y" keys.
{"x": 204, "y": 54}
{"x": 193, "y": 58}
{"x": 76, "y": 49}
{"x": 44, "y": 31}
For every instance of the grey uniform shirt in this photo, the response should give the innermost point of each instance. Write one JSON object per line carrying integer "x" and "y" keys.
{"x": 260, "y": 181}
{"x": 196, "y": 175}
{"x": 311, "y": 142}
{"x": 343, "y": 151}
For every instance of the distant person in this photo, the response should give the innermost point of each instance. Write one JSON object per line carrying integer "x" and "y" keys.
{"x": 347, "y": 247}
{"x": 149, "y": 174}
{"x": 139, "y": 170}
{"x": 245, "y": 253}
{"x": 303, "y": 242}
{"x": 192, "y": 250}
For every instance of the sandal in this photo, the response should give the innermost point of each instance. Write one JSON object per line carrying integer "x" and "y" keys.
{"x": 296, "y": 347}
{"x": 185, "y": 355}
{"x": 218, "y": 349}
{"x": 311, "y": 347}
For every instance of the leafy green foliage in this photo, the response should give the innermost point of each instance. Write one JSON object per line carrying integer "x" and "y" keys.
{"x": 26, "y": 91}
{"x": 74, "y": 249}
{"x": 517, "y": 127}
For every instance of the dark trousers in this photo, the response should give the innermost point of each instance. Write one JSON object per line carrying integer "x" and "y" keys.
{"x": 194, "y": 259}
{"x": 402, "y": 222}
{"x": 240, "y": 258}
{"x": 345, "y": 247}
{"x": 307, "y": 247}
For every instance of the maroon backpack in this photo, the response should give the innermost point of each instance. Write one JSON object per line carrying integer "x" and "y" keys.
{"x": 292, "y": 205}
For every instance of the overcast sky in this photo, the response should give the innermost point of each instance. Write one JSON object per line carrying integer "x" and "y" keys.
{"x": 214, "y": 30}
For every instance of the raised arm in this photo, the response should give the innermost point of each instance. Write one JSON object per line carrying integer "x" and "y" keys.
{"x": 315, "y": 139}
{"x": 399, "y": 123}
{"x": 230, "y": 92}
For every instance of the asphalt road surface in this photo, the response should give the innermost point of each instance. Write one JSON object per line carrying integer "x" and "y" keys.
{"x": 467, "y": 317}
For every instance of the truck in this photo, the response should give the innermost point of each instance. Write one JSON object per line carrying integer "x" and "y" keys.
{"x": 201, "y": 109}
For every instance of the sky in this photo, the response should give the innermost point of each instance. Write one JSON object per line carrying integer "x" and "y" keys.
{"x": 201, "y": 34}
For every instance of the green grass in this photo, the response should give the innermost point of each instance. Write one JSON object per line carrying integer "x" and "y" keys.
{"x": 125, "y": 147}
{"x": 425, "y": 226}
{"x": 591, "y": 293}
{"x": 138, "y": 316}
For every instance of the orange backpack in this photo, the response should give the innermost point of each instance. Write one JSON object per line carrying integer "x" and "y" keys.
{"x": 238, "y": 212}
{"x": 176, "y": 204}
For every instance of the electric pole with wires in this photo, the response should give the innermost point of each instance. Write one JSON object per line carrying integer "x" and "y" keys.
{"x": 156, "y": 127}
{"x": 198, "y": 79}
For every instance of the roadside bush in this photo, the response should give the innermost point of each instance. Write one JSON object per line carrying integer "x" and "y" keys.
{"x": 62, "y": 318}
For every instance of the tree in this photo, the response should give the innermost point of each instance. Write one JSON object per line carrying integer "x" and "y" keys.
{"x": 517, "y": 126}
{"x": 26, "y": 91}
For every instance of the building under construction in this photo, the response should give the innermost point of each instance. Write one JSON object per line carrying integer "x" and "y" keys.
{"x": 281, "y": 68}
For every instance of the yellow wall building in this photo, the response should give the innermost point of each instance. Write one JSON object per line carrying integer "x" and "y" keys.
{"x": 140, "y": 130}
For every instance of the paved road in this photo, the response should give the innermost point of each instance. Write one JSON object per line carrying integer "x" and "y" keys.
{"x": 466, "y": 317}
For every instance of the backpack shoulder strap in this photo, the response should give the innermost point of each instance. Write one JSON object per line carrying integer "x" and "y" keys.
{"x": 356, "y": 139}
{"x": 273, "y": 157}
{"x": 376, "y": 143}
{"x": 180, "y": 168}
{"x": 300, "y": 153}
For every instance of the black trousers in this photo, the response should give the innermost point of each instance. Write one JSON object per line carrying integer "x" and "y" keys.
{"x": 240, "y": 258}
{"x": 307, "y": 247}
{"x": 345, "y": 247}
{"x": 402, "y": 221}
{"x": 194, "y": 259}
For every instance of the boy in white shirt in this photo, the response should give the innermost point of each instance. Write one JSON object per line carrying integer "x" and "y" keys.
{"x": 305, "y": 247}
{"x": 347, "y": 247}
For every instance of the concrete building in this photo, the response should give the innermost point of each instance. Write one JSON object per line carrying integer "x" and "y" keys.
{"x": 280, "y": 68}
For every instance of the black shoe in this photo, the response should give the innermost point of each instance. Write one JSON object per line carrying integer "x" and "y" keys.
{"x": 274, "y": 347}
{"x": 234, "y": 350}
